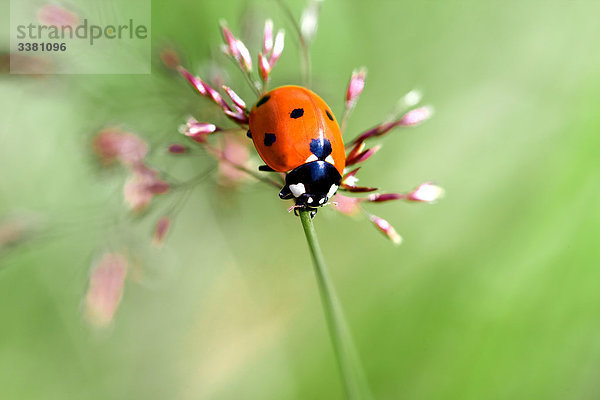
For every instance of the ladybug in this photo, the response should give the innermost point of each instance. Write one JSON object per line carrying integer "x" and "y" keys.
{"x": 294, "y": 131}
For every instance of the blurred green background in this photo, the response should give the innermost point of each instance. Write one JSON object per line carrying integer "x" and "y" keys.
{"x": 493, "y": 294}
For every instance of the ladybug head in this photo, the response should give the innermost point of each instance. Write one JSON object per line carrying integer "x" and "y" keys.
{"x": 312, "y": 184}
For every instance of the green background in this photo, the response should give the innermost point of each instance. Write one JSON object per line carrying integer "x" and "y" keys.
{"x": 493, "y": 294}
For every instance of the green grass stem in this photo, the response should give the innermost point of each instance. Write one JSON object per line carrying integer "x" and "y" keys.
{"x": 353, "y": 378}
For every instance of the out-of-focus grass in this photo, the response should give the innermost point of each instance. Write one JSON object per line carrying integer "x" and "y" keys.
{"x": 493, "y": 294}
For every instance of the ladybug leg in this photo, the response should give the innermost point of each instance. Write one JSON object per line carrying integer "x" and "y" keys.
{"x": 265, "y": 168}
{"x": 312, "y": 211}
{"x": 286, "y": 193}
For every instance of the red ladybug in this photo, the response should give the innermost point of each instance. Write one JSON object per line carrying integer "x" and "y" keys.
{"x": 294, "y": 131}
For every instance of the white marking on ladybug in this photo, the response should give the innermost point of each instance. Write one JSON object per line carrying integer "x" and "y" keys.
{"x": 332, "y": 190}
{"x": 310, "y": 200}
{"x": 329, "y": 159}
{"x": 322, "y": 200}
{"x": 298, "y": 189}
{"x": 311, "y": 158}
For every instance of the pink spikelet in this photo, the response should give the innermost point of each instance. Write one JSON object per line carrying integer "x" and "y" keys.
{"x": 160, "y": 231}
{"x": 386, "y": 228}
{"x": 355, "y": 87}
{"x": 105, "y": 289}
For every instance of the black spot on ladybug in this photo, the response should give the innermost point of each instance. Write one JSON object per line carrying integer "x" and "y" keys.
{"x": 249, "y": 134}
{"x": 320, "y": 148}
{"x": 329, "y": 115}
{"x": 269, "y": 139}
{"x": 297, "y": 113}
{"x": 262, "y": 101}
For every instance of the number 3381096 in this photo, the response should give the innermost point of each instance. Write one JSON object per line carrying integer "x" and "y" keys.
{"x": 41, "y": 46}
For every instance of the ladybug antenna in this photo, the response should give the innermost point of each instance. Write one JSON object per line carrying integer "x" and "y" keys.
{"x": 292, "y": 208}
